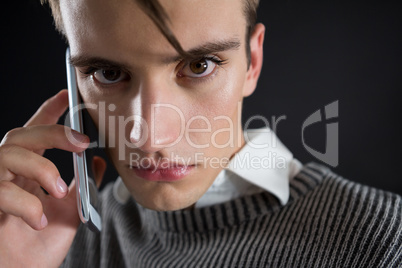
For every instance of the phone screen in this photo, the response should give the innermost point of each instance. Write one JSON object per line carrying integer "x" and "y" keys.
{"x": 85, "y": 186}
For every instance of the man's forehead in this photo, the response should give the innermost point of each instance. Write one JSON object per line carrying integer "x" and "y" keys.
{"x": 123, "y": 25}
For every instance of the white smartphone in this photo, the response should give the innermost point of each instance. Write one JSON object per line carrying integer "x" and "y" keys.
{"x": 85, "y": 186}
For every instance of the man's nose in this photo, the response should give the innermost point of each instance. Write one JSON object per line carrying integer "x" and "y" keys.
{"x": 161, "y": 123}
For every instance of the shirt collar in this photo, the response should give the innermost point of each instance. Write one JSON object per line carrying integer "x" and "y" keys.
{"x": 264, "y": 162}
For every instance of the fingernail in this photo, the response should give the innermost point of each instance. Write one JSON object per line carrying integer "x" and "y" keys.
{"x": 79, "y": 137}
{"x": 61, "y": 185}
{"x": 43, "y": 221}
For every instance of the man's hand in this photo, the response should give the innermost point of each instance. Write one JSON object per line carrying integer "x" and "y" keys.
{"x": 36, "y": 230}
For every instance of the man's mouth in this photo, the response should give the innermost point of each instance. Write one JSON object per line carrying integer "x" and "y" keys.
{"x": 168, "y": 173}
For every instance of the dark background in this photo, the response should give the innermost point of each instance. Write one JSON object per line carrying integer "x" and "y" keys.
{"x": 316, "y": 52}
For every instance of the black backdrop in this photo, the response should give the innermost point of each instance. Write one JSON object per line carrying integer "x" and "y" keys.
{"x": 316, "y": 52}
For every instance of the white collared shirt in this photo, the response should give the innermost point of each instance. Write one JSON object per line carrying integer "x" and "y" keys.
{"x": 263, "y": 164}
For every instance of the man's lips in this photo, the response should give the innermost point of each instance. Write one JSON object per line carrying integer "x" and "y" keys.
{"x": 162, "y": 173}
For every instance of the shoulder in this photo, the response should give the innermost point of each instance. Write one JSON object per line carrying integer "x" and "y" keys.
{"x": 359, "y": 220}
{"x": 337, "y": 188}
{"x": 318, "y": 178}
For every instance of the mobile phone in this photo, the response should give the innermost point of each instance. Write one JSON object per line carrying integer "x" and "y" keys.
{"x": 85, "y": 186}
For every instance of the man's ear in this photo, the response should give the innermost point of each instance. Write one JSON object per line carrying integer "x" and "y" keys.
{"x": 256, "y": 47}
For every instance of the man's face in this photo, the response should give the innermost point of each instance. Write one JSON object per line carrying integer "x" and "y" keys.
{"x": 170, "y": 124}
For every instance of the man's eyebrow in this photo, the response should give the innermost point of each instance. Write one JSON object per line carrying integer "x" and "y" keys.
{"x": 96, "y": 62}
{"x": 208, "y": 48}
{"x": 193, "y": 54}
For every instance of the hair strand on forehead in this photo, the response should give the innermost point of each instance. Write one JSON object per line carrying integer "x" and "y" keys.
{"x": 158, "y": 15}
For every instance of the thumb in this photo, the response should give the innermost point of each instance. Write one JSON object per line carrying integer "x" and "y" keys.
{"x": 98, "y": 169}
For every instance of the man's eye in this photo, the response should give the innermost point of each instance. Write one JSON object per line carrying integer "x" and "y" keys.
{"x": 198, "y": 68}
{"x": 109, "y": 76}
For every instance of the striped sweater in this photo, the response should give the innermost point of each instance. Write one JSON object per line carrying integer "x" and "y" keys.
{"x": 328, "y": 222}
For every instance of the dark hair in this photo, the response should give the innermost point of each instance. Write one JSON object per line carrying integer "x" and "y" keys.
{"x": 161, "y": 19}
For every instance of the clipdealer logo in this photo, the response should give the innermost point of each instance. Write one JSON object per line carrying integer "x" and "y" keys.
{"x": 331, "y": 154}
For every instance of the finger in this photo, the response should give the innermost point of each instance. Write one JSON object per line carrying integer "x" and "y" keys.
{"x": 65, "y": 213}
{"x": 19, "y": 203}
{"x": 99, "y": 168}
{"x": 51, "y": 110}
{"x": 72, "y": 194}
{"x": 40, "y": 137}
{"x": 33, "y": 167}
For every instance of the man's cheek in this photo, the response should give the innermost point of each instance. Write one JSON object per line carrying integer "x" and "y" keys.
{"x": 224, "y": 132}
{"x": 198, "y": 131}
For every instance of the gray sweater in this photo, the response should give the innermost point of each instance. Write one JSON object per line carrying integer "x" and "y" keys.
{"x": 328, "y": 222}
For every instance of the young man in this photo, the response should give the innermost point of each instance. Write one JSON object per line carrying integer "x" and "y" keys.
{"x": 171, "y": 76}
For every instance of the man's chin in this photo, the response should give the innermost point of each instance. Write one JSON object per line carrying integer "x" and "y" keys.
{"x": 166, "y": 206}
{"x": 166, "y": 199}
